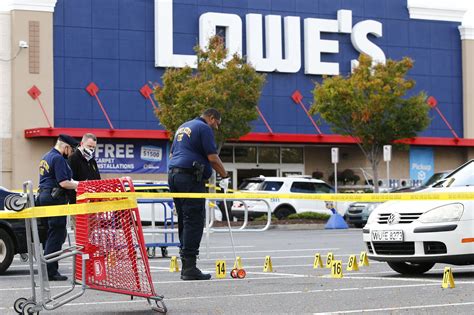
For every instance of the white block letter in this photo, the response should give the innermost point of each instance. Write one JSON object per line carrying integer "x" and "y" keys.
{"x": 363, "y": 45}
{"x": 314, "y": 46}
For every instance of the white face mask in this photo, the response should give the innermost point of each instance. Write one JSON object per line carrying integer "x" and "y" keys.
{"x": 88, "y": 153}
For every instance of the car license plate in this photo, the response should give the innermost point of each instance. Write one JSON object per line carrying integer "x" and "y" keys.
{"x": 387, "y": 236}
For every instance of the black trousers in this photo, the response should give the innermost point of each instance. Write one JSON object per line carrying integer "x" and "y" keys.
{"x": 56, "y": 230}
{"x": 191, "y": 212}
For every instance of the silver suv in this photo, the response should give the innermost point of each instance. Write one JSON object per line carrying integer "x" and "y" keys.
{"x": 281, "y": 208}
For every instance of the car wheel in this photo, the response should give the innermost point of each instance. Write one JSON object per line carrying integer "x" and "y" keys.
{"x": 6, "y": 250}
{"x": 409, "y": 268}
{"x": 283, "y": 212}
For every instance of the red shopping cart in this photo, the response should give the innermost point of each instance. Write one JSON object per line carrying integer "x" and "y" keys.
{"x": 115, "y": 245}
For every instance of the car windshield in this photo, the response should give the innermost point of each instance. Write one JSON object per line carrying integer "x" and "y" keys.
{"x": 463, "y": 176}
{"x": 436, "y": 177}
{"x": 254, "y": 185}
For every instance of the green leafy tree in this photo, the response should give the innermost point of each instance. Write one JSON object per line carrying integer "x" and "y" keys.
{"x": 371, "y": 105}
{"x": 231, "y": 86}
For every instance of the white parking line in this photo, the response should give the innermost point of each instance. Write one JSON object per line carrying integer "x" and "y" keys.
{"x": 396, "y": 308}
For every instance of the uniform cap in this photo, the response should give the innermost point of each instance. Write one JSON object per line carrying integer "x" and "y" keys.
{"x": 68, "y": 140}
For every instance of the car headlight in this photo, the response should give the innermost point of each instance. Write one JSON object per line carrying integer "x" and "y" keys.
{"x": 371, "y": 207}
{"x": 446, "y": 213}
{"x": 372, "y": 218}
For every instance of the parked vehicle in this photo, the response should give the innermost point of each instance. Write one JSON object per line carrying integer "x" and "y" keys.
{"x": 13, "y": 235}
{"x": 358, "y": 213}
{"x": 281, "y": 208}
{"x": 161, "y": 205}
{"x": 412, "y": 236}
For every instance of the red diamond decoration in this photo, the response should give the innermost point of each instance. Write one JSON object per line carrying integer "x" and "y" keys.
{"x": 432, "y": 102}
{"x": 34, "y": 92}
{"x": 146, "y": 91}
{"x": 92, "y": 89}
{"x": 297, "y": 96}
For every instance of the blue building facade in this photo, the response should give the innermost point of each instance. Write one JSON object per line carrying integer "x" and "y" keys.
{"x": 112, "y": 43}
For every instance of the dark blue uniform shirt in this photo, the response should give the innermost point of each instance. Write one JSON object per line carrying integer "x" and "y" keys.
{"x": 53, "y": 169}
{"x": 193, "y": 141}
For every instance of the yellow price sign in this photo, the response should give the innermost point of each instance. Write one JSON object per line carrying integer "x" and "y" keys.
{"x": 329, "y": 260}
{"x": 352, "y": 264}
{"x": 336, "y": 269}
{"x": 220, "y": 269}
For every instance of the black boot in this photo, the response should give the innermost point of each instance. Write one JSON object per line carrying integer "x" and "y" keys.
{"x": 191, "y": 272}
{"x": 183, "y": 264}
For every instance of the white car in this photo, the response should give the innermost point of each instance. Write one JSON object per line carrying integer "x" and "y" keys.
{"x": 281, "y": 208}
{"x": 412, "y": 236}
{"x": 163, "y": 207}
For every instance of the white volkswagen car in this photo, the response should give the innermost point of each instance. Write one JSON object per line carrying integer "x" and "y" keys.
{"x": 412, "y": 236}
{"x": 281, "y": 208}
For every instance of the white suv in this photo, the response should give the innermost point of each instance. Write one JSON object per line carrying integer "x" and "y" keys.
{"x": 281, "y": 208}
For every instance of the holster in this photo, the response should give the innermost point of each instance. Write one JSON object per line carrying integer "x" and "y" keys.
{"x": 58, "y": 193}
{"x": 198, "y": 171}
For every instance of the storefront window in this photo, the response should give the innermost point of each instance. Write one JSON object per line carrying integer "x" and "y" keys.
{"x": 226, "y": 154}
{"x": 268, "y": 155}
{"x": 245, "y": 154}
{"x": 292, "y": 155}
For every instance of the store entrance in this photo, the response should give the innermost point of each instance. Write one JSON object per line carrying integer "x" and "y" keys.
{"x": 253, "y": 172}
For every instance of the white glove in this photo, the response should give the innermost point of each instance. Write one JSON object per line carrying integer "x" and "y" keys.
{"x": 224, "y": 184}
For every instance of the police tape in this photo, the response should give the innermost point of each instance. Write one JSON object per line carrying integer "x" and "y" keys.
{"x": 72, "y": 209}
{"x": 324, "y": 197}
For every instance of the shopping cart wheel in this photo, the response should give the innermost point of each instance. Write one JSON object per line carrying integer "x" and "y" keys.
{"x": 233, "y": 273}
{"x": 164, "y": 252}
{"x": 24, "y": 257}
{"x": 151, "y": 252}
{"x": 160, "y": 306}
{"x": 28, "y": 308}
{"x": 18, "y": 304}
{"x": 241, "y": 273}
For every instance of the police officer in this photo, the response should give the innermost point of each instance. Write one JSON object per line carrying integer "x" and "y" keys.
{"x": 193, "y": 153}
{"x": 55, "y": 179}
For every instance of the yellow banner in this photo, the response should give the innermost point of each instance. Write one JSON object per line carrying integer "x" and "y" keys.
{"x": 325, "y": 197}
{"x": 75, "y": 209}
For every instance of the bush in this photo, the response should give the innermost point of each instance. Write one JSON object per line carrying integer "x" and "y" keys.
{"x": 309, "y": 216}
{"x": 264, "y": 218}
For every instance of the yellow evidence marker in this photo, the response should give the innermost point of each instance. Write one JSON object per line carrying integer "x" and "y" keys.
{"x": 352, "y": 264}
{"x": 329, "y": 260}
{"x": 363, "y": 259}
{"x": 448, "y": 279}
{"x": 220, "y": 269}
{"x": 238, "y": 263}
{"x": 174, "y": 266}
{"x": 336, "y": 269}
{"x": 268, "y": 267}
{"x": 318, "y": 262}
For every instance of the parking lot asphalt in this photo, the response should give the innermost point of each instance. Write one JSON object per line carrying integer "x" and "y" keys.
{"x": 293, "y": 287}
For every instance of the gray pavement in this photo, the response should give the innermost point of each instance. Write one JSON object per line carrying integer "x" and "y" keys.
{"x": 293, "y": 287}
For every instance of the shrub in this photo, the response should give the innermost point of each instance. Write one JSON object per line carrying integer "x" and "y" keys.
{"x": 309, "y": 216}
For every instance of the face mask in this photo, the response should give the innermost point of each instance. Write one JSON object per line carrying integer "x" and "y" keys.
{"x": 88, "y": 153}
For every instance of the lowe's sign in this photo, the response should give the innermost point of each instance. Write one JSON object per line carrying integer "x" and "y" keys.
{"x": 274, "y": 59}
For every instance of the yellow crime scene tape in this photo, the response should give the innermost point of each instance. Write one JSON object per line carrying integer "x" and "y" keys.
{"x": 130, "y": 201}
{"x": 72, "y": 209}
{"x": 324, "y": 197}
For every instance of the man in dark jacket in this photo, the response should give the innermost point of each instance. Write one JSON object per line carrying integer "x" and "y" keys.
{"x": 83, "y": 163}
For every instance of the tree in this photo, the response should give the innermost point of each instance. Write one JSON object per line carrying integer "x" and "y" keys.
{"x": 231, "y": 86}
{"x": 371, "y": 105}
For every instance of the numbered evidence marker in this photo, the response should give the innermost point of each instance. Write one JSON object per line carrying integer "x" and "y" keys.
{"x": 336, "y": 269}
{"x": 238, "y": 263}
{"x": 220, "y": 269}
{"x": 329, "y": 260}
{"x": 448, "y": 279}
{"x": 318, "y": 262}
{"x": 352, "y": 264}
{"x": 268, "y": 267}
{"x": 363, "y": 260}
{"x": 174, "y": 267}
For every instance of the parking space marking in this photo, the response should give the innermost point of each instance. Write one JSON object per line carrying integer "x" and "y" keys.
{"x": 396, "y": 308}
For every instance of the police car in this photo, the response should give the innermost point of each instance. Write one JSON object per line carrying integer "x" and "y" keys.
{"x": 281, "y": 208}
{"x": 412, "y": 236}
